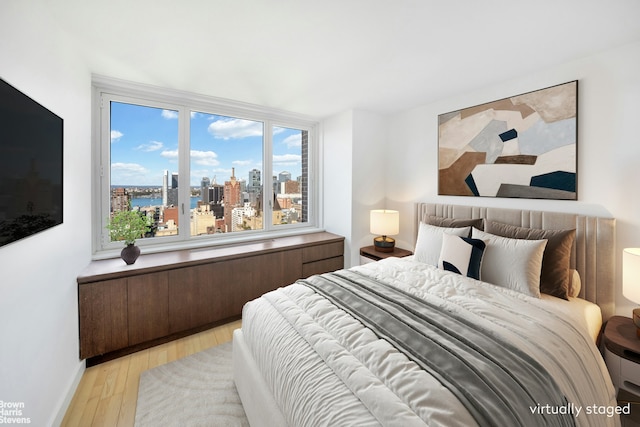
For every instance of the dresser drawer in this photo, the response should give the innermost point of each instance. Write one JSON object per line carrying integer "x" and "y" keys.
{"x": 613, "y": 366}
{"x": 320, "y": 252}
{"x": 629, "y": 373}
{"x": 322, "y": 266}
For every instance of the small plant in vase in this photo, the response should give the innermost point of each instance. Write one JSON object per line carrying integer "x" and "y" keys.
{"x": 128, "y": 226}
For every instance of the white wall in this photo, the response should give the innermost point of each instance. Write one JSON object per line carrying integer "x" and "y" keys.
{"x": 39, "y": 361}
{"x": 369, "y": 175}
{"x": 337, "y": 155}
{"x": 608, "y": 147}
{"x": 353, "y": 176}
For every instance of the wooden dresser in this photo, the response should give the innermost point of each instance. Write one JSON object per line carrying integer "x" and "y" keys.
{"x": 124, "y": 308}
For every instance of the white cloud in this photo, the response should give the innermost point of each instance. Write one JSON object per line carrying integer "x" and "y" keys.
{"x": 128, "y": 169}
{"x": 204, "y": 158}
{"x": 294, "y": 140}
{"x": 235, "y": 128}
{"x": 242, "y": 162}
{"x": 287, "y": 159}
{"x": 150, "y": 146}
{"x": 116, "y": 135}
{"x": 172, "y": 155}
{"x": 169, "y": 114}
{"x": 131, "y": 174}
{"x": 201, "y": 158}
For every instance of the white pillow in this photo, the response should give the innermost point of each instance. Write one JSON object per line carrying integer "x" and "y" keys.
{"x": 461, "y": 255}
{"x": 429, "y": 241}
{"x": 512, "y": 263}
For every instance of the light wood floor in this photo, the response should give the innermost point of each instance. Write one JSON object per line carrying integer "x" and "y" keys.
{"x": 107, "y": 393}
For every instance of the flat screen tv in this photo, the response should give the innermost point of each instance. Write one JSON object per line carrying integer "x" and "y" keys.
{"x": 31, "y": 147}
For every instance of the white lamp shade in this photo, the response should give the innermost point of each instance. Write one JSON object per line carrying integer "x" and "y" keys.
{"x": 631, "y": 274}
{"x": 384, "y": 222}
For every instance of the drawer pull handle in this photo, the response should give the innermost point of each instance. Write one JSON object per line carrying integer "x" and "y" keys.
{"x": 628, "y": 385}
{"x": 632, "y": 355}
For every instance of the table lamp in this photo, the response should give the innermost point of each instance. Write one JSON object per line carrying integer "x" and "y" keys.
{"x": 631, "y": 281}
{"x": 386, "y": 223}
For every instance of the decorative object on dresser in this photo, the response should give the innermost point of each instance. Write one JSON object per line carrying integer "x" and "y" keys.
{"x": 523, "y": 146}
{"x": 631, "y": 281}
{"x": 386, "y": 223}
{"x": 369, "y": 254}
{"x": 127, "y": 226}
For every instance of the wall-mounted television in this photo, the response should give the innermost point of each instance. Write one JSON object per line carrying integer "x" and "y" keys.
{"x": 31, "y": 146}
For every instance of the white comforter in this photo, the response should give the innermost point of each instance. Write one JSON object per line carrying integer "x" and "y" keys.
{"x": 325, "y": 368}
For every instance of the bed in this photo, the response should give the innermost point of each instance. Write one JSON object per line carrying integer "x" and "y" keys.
{"x": 422, "y": 341}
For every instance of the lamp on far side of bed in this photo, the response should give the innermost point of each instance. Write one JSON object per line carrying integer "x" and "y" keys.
{"x": 387, "y": 223}
{"x": 631, "y": 281}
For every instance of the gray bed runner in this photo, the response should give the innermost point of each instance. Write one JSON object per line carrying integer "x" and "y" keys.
{"x": 496, "y": 382}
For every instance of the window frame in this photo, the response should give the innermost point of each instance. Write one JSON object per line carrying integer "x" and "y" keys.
{"x": 106, "y": 89}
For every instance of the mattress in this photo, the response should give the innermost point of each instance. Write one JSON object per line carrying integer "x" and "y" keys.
{"x": 585, "y": 314}
{"x": 320, "y": 365}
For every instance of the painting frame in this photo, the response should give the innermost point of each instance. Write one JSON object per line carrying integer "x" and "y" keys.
{"x": 523, "y": 146}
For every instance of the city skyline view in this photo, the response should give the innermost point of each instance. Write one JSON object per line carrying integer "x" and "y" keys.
{"x": 145, "y": 148}
{"x": 144, "y": 143}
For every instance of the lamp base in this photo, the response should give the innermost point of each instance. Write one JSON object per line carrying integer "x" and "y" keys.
{"x": 384, "y": 244}
{"x": 636, "y": 320}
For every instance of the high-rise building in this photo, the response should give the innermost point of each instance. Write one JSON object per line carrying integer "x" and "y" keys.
{"x": 216, "y": 193}
{"x": 241, "y": 217}
{"x": 203, "y": 221}
{"x": 255, "y": 180}
{"x": 232, "y": 198}
{"x": 254, "y": 187}
{"x": 171, "y": 214}
{"x": 284, "y": 176}
{"x": 204, "y": 189}
{"x": 232, "y": 191}
{"x": 304, "y": 179}
{"x": 291, "y": 187}
{"x": 120, "y": 200}
{"x": 165, "y": 188}
{"x": 172, "y": 191}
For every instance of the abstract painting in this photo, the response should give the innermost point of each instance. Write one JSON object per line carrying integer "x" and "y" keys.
{"x": 524, "y": 146}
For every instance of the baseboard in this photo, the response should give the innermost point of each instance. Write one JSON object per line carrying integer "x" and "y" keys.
{"x": 63, "y": 406}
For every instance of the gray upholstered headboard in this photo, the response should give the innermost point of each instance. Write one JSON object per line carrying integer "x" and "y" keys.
{"x": 593, "y": 253}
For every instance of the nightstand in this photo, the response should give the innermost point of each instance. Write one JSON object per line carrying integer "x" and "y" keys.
{"x": 622, "y": 356}
{"x": 369, "y": 254}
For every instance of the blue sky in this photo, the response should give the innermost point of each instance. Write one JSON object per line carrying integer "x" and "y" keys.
{"x": 144, "y": 143}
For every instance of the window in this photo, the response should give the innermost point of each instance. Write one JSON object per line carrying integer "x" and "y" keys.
{"x": 203, "y": 171}
{"x": 226, "y": 161}
{"x": 289, "y": 156}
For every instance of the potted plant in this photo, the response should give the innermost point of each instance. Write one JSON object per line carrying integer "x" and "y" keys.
{"x": 128, "y": 226}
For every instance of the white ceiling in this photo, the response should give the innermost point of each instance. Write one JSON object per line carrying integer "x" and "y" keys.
{"x": 321, "y": 57}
